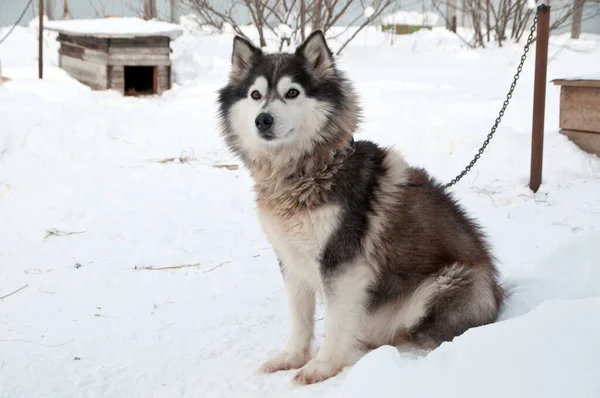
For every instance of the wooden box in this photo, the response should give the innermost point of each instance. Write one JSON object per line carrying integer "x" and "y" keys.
{"x": 580, "y": 111}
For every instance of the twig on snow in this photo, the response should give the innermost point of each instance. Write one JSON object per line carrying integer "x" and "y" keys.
{"x": 184, "y": 158}
{"x": 216, "y": 266}
{"x": 152, "y": 268}
{"x": 56, "y": 232}
{"x": 16, "y": 291}
{"x": 45, "y": 291}
{"x": 226, "y": 166}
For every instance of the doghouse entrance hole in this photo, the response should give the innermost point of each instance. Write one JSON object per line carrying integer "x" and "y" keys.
{"x": 139, "y": 80}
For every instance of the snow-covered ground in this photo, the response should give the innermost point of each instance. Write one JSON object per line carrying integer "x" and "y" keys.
{"x": 95, "y": 320}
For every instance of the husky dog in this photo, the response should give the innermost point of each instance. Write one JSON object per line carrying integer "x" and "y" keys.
{"x": 392, "y": 254}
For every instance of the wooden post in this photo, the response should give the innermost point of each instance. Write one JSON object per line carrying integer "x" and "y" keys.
{"x": 539, "y": 98}
{"x": 175, "y": 11}
{"x": 41, "y": 42}
{"x": 66, "y": 10}
{"x": 149, "y": 9}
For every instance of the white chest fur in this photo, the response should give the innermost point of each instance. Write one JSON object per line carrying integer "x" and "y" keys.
{"x": 300, "y": 239}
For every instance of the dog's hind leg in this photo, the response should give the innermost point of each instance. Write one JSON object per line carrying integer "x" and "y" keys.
{"x": 466, "y": 297}
{"x": 301, "y": 302}
{"x": 345, "y": 296}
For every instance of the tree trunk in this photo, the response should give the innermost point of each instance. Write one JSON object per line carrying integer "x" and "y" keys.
{"x": 451, "y": 15}
{"x": 260, "y": 23}
{"x": 175, "y": 11}
{"x": 149, "y": 9}
{"x": 477, "y": 15}
{"x": 302, "y": 19}
{"x": 317, "y": 11}
{"x": 488, "y": 26}
{"x": 66, "y": 10}
{"x": 577, "y": 14}
{"x": 49, "y": 9}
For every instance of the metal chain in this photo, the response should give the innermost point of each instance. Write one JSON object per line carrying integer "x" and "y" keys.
{"x": 508, "y": 97}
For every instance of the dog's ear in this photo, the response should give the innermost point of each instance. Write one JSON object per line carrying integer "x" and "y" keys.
{"x": 317, "y": 54}
{"x": 244, "y": 53}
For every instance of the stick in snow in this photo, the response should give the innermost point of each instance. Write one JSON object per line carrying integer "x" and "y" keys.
{"x": 16, "y": 291}
{"x": 56, "y": 232}
{"x": 151, "y": 268}
{"x": 217, "y": 266}
{"x": 226, "y": 166}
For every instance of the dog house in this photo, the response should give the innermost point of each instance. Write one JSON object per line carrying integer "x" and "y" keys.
{"x": 128, "y": 55}
{"x": 408, "y": 22}
{"x": 580, "y": 111}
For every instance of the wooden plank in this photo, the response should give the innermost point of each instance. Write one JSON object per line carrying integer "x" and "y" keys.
{"x": 576, "y": 83}
{"x": 108, "y": 77}
{"x": 71, "y": 51}
{"x": 164, "y": 79}
{"x": 117, "y": 78}
{"x": 89, "y": 73}
{"x": 580, "y": 108}
{"x": 155, "y": 87}
{"x": 589, "y": 142}
{"x": 82, "y": 53}
{"x": 140, "y": 50}
{"x": 151, "y": 41}
{"x": 93, "y": 43}
{"x": 139, "y": 60}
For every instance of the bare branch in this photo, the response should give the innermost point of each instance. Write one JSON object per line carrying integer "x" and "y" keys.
{"x": 381, "y": 7}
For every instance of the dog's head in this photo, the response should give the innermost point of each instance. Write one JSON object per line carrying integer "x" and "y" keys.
{"x": 292, "y": 101}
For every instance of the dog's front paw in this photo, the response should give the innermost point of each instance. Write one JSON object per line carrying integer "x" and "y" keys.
{"x": 316, "y": 371}
{"x": 285, "y": 361}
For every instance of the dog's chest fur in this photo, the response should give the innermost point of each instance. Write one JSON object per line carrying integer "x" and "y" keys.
{"x": 299, "y": 238}
{"x": 296, "y": 208}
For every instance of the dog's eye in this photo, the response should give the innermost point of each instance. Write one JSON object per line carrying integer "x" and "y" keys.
{"x": 255, "y": 95}
{"x": 292, "y": 93}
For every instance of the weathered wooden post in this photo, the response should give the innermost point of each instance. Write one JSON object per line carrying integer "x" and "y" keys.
{"x": 149, "y": 9}
{"x": 539, "y": 98}
{"x": 41, "y": 42}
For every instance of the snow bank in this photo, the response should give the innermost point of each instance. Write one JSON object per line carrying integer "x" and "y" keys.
{"x": 411, "y": 18}
{"x": 551, "y": 352}
{"x": 116, "y": 27}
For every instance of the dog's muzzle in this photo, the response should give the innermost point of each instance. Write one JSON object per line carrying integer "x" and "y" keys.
{"x": 264, "y": 124}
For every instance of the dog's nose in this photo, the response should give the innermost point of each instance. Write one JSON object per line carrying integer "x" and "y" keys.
{"x": 263, "y": 122}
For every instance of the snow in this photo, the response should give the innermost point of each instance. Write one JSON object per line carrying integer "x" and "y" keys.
{"x": 284, "y": 31}
{"x": 115, "y": 27}
{"x": 95, "y": 320}
{"x": 411, "y": 18}
{"x": 595, "y": 76}
{"x": 549, "y": 348}
{"x": 523, "y": 357}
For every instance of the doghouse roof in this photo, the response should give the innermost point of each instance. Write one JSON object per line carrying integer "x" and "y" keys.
{"x": 588, "y": 81}
{"x": 108, "y": 28}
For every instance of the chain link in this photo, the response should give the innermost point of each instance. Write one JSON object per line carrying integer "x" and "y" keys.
{"x": 504, "y": 105}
